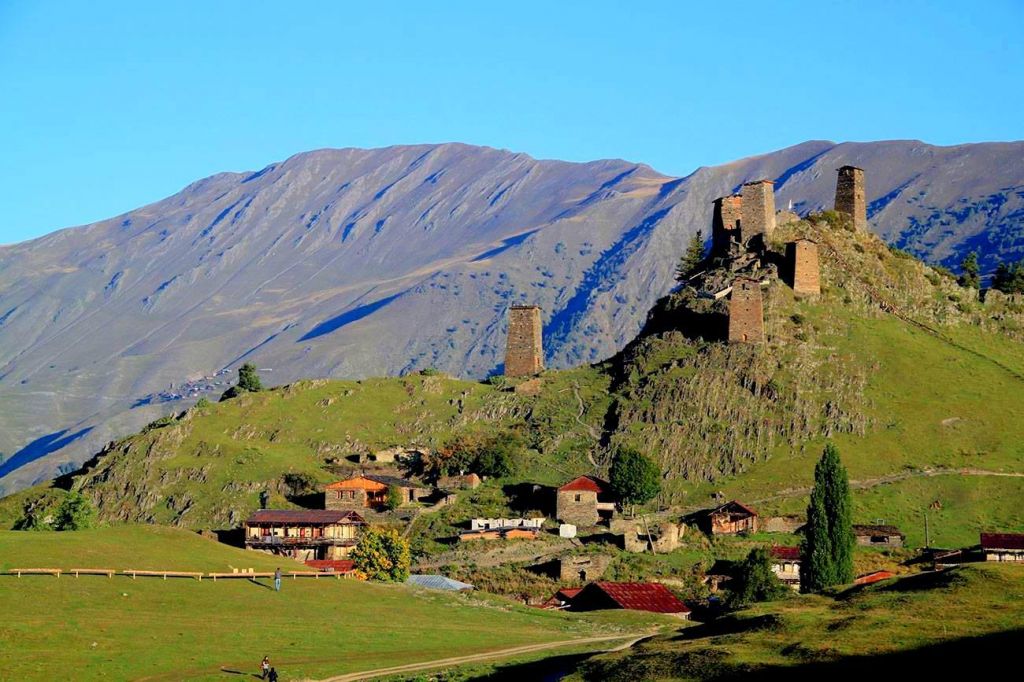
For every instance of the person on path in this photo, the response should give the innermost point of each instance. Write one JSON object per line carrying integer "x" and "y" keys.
{"x": 264, "y": 667}
{"x": 277, "y": 580}
{"x": 273, "y": 675}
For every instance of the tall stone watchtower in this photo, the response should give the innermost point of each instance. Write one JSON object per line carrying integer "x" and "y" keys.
{"x": 746, "y": 311}
{"x": 524, "y": 353}
{"x": 758, "y": 212}
{"x": 850, "y": 196}
{"x": 803, "y": 261}
{"x": 725, "y": 224}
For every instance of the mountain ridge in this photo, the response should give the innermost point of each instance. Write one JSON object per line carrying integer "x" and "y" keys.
{"x": 356, "y": 262}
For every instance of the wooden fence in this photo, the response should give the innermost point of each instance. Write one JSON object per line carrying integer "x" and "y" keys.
{"x": 196, "y": 575}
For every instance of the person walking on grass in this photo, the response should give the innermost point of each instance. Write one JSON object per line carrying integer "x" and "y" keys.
{"x": 273, "y": 675}
{"x": 264, "y": 667}
{"x": 277, "y": 580}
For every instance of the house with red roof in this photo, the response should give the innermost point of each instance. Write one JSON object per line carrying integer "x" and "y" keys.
{"x": 584, "y": 501}
{"x": 561, "y": 599}
{"x": 786, "y": 564}
{"x": 653, "y": 597}
{"x": 730, "y": 519}
{"x": 304, "y": 534}
{"x": 1003, "y": 546}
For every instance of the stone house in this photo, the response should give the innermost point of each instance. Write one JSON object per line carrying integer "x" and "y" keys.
{"x": 582, "y": 568}
{"x": 304, "y": 534}
{"x": 370, "y": 491}
{"x": 729, "y": 519}
{"x": 786, "y": 565}
{"x": 460, "y": 482}
{"x": 878, "y": 536}
{"x": 506, "y": 533}
{"x": 584, "y": 501}
{"x": 1003, "y": 546}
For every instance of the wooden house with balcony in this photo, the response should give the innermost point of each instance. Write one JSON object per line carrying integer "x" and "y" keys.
{"x": 370, "y": 491}
{"x": 304, "y": 534}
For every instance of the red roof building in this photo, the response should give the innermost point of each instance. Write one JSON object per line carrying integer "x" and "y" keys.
{"x": 562, "y": 598}
{"x": 873, "y": 577}
{"x": 653, "y": 597}
{"x": 586, "y": 483}
{"x": 584, "y": 501}
{"x": 304, "y": 534}
{"x": 1003, "y": 546}
{"x": 786, "y": 564}
{"x": 785, "y": 553}
{"x": 731, "y": 518}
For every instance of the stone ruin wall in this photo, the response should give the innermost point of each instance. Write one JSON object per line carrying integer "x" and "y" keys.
{"x": 758, "y": 212}
{"x": 746, "y": 312}
{"x": 725, "y": 224}
{"x": 850, "y": 196}
{"x": 806, "y": 271}
{"x": 524, "y": 354}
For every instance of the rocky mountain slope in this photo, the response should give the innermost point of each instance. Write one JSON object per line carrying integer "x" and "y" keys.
{"x": 350, "y": 263}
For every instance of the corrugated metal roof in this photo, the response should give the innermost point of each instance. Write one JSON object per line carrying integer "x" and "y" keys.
{"x": 1002, "y": 540}
{"x": 862, "y": 529}
{"x": 653, "y": 597}
{"x": 311, "y": 516}
{"x": 588, "y": 483}
{"x": 786, "y": 553}
{"x": 437, "y": 582}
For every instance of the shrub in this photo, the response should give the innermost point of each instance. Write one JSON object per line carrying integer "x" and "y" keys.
{"x": 755, "y": 581}
{"x": 202, "y": 403}
{"x": 74, "y": 513}
{"x": 394, "y": 499}
{"x": 382, "y": 555}
{"x": 430, "y": 372}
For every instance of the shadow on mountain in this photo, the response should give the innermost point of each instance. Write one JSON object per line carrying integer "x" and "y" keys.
{"x": 346, "y": 318}
{"x": 40, "y": 447}
{"x": 505, "y": 245}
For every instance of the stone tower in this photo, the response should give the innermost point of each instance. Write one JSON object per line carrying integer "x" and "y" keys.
{"x": 746, "y": 312}
{"x": 725, "y": 225}
{"x": 758, "y": 219}
{"x": 850, "y": 196}
{"x": 524, "y": 354}
{"x": 803, "y": 263}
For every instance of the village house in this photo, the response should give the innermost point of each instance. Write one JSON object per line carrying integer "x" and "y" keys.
{"x": 584, "y": 501}
{"x": 582, "y": 567}
{"x": 1003, "y": 546}
{"x": 370, "y": 491}
{"x": 304, "y": 534}
{"x": 653, "y": 597}
{"x": 562, "y": 598}
{"x": 878, "y": 536}
{"x": 730, "y": 519}
{"x": 504, "y": 533}
{"x": 493, "y": 524}
{"x": 460, "y": 482}
{"x": 786, "y": 565}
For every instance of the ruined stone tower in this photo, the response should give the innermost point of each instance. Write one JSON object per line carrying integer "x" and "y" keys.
{"x": 524, "y": 353}
{"x": 850, "y": 196}
{"x": 725, "y": 224}
{"x": 746, "y": 312}
{"x": 758, "y": 213}
{"x": 803, "y": 262}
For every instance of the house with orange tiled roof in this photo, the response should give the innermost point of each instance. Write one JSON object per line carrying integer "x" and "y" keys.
{"x": 370, "y": 491}
{"x": 584, "y": 501}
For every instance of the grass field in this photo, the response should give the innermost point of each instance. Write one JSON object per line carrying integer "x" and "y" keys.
{"x": 118, "y": 628}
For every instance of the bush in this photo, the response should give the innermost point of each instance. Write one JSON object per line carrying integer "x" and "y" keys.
{"x": 74, "y": 513}
{"x": 430, "y": 372}
{"x": 394, "y": 499}
{"x": 755, "y": 581}
{"x": 202, "y": 403}
{"x": 382, "y": 555}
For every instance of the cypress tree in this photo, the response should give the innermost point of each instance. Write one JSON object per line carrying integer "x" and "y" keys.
{"x": 827, "y": 548}
{"x": 971, "y": 277}
{"x": 693, "y": 257}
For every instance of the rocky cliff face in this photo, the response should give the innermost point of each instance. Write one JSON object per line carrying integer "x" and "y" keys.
{"x": 352, "y": 263}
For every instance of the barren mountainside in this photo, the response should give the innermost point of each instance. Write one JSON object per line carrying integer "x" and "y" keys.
{"x": 354, "y": 263}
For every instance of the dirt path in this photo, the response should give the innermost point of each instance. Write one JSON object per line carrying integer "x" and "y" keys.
{"x": 488, "y": 656}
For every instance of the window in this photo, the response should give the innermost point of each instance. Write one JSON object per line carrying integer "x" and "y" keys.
{"x": 577, "y": 497}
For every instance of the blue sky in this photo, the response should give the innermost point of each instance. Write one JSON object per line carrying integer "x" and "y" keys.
{"x": 106, "y": 106}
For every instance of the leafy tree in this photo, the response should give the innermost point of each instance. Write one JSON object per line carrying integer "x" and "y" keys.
{"x": 634, "y": 478}
{"x": 394, "y": 499}
{"x": 74, "y": 513}
{"x": 382, "y": 555}
{"x": 248, "y": 381}
{"x": 500, "y": 455}
{"x": 755, "y": 581}
{"x": 202, "y": 403}
{"x": 693, "y": 257}
{"x": 1009, "y": 278}
{"x": 827, "y": 548}
{"x": 971, "y": 277}
{"x": 497, "y": 456}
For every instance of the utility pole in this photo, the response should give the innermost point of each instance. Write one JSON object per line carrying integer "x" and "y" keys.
{"x": 927, "y": 540}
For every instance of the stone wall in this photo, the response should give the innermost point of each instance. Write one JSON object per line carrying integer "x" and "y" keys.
{"x": 582, "y": 569}
{"x": 345, "y": 500}
{"x": 850, "y": 196}
{"x": 577, "y": 506}
{"x": 524, "y": 354}
{"x": 725, "y": 223}
{"x": 804, "y": 267}
{"x": 758, "y": 212}
{"x": 746, "y": 312}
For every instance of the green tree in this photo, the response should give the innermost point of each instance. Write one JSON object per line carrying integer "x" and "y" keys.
{"x": 500, "y": 455}
{"x": 755, "y": 581}
{"x": 202, "y": 403}
{"x": 382, "y": 555}
{"x": 394, "y": 499}
{"x": 634, "y": 478}
{"x": 693, "y": 257}
{"x": 1009, "y": 278}
{"x": 74, "y": 513}
{"x": 827, "y": 548}
{"x": 248, "y": 382}
{"x": 971, "y": 277}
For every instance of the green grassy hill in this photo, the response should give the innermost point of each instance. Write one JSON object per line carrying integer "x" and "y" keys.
{"x": 910, "y": 374}
{"x": 95, "y": 627}
{"x": 924, "y": 624}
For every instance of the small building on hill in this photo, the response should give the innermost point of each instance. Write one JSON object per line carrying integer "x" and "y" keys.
{"x": 786, "y": 565}
{"x": 584, "y": 501}
{"x": 562, "y": 598}
{"x": 460, "y": 482}
{"x": 304, "y": 534}
{"x": 500, "y": 533}
{"x": 730, "y": 519}
{"x": 873, "y": 577}
{"x": 370, "y": 491}
{"x": 1003, "y": 546}
{"x": 582, "y": 567}
{"x": 653, "y": 597}
{"x": 878, "y": 536}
